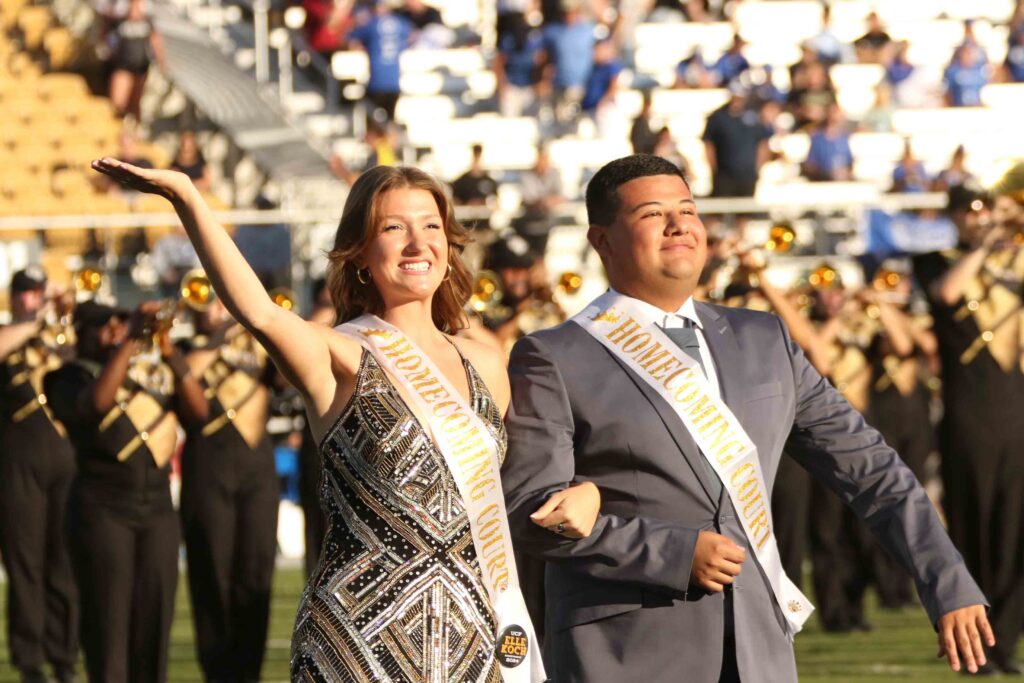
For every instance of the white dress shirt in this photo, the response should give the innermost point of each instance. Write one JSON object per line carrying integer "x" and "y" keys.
{"x": 675, "y": 320}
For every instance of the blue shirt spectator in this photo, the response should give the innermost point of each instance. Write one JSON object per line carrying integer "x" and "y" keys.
{"x": 965, "y": 78}
{"x": 693, "y": 72}
{"x": 731, "y": 64}
{"x": 570, "y": 47}
{"x": 910, "y": 176}
{"x": 520, "y": 57}
{"x": 1015, "y": 56}
{"x": 606, "y": 70}
{"x": 899, "y": 67}
{"x": 830, "y": 157}
{"x": 384, "y": 37}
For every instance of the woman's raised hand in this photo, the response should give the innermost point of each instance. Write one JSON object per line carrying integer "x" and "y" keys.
{"x": 166, "y": 183}
{"x": 571, "y": 512}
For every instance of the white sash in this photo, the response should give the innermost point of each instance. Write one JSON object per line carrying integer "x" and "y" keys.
{"x": 471, "y": 454}
{"x": 626, "y": 331}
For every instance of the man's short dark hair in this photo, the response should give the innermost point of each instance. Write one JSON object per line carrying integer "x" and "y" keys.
{"x": 602, "y": 190}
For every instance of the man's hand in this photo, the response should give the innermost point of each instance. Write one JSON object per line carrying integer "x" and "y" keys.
{"x": 960, "y": 634}
{"x": 716, "y": 561}
{"x": 571, "y": 512}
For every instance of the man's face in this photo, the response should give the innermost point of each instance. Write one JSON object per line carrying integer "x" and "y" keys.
{"x": 113, "y": 333}
{"x": 27, "y": 303}
{"x": 657, "y": 245}
{"x": 515, "y": 282}
{"x": 971, "y": 223}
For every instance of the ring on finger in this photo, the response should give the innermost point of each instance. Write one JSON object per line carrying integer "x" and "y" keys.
{"x": 560, "y": 528}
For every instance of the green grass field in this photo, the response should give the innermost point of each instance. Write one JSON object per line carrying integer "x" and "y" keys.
{"x": 901, "y": 647}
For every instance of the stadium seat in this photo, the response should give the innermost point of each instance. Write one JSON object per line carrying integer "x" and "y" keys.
{"x": 53, "y": 87}
{"x": 60, "y": 46}
{"x": 350, "y": 65}
{"x": 660, "y": 47}
{"x": 778, "y": 22}
{"x": 33, "y": 22}
{"x": 817, "y": 193}
{"x": 461, "y": 61}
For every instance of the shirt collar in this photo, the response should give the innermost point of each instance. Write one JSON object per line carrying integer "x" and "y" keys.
{"x": 688, "y": 310}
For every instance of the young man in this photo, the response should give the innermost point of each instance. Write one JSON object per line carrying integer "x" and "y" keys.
{"x": 680, "y": 575}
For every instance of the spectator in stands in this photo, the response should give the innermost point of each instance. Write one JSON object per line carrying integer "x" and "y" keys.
{"x": 1013, "y": 67}
{"x": 909, "y": 174}
{"x": 134, "y": 44}
{"x": 602, "y": 86}
{"x": 829, "y": 48}
{"x": 762, "y": 85}
{"x": 327, "y": 25}
{"x": 190, "y": 160}
{"x": 267, "y": 248}
{"x": 173, "y": 256}
{"x": 809, "y": 102}
{"x": 542, "y": 194}
{"x": 898, "y": 67}
{"x": 510, "y": 13}
{"x": 871, "y": 47}
{"x": 517, "y": 66}
{"x": 475, "y": 187}
{"x": 956, "y": 173}
{"x": 736, "y": 142}
{"x": 430, "y": 29}
{"x": 830, "y": 158}
{"x": 798, "y": 71}
{"x": 569, "y": 49}
{"x": 693, "y": 72}
{"x": 667, "y": 11}
{"x": 970, "y": 40}
{"x": 383, "y": 151}
{"x": 384, "y": 37}
{"x": 665, "y": 147}
{"x": 642, "y": 135}
{"x": 965, "y": 77}
{"x": 878, "y": 119}
{"x": 732, "y": 64}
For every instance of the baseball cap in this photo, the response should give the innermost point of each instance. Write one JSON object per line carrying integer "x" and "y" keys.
{"x": 28, "y": 279}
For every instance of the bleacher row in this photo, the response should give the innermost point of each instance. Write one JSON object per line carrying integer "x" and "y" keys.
{"x": 53, "y": 126}
{"x": 445, "y": 93}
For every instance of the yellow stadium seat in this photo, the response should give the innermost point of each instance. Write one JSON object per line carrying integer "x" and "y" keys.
{"x": 62, "y": 87}
{"x": 33, "y": 22}
{"x": 60, "y": 46}
{"x": 9, "y": 11}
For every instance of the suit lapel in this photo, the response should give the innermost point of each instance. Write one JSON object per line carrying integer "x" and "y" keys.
{"x": 725, "y": 351}
{"x": 675, "y": 426}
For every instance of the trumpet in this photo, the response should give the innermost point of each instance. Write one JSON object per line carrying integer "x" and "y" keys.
{"x": 487, "y": 293}
{"x": 86, "y": 282}
{"x": 283, "y": 297}
{"x": 195, "y": 292}
{"x": 824, "y": 277}
{"x": 781, "y": 239}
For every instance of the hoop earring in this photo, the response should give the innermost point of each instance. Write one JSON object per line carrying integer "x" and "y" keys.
{"x": 359, "y": 276}
{"x": 448, "y": 275}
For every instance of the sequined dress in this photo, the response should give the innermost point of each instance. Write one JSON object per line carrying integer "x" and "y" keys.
{"x": 397, "y": 594}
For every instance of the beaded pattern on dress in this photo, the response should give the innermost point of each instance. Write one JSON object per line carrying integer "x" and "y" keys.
{"x": 397, "y": 595}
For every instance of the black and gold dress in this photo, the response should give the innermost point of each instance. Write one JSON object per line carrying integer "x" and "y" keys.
{"x": 397, "y": 594}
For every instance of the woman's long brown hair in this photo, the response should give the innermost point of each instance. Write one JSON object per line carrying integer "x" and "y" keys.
{"x": 360, "y": 224}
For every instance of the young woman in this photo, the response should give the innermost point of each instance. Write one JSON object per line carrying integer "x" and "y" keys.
{"x": 405, "y": 587}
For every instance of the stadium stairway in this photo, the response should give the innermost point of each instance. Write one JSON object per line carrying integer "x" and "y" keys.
{"x": 233, "y": 100}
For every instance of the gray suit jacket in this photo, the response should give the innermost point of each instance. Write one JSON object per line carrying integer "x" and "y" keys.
{"x": 619, "y": 604}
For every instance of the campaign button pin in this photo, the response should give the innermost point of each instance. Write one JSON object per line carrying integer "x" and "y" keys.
{"x": 512, "y": 646}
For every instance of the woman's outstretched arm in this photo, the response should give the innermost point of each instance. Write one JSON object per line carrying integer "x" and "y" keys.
{"x": 299, "y": 348}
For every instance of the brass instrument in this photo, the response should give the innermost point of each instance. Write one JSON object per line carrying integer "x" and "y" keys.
{"x": 196, "y": 290}
{"x": 569, "y": 282}
{"x": 86, "y": 282}
{"x": 283, "y": 297}
{"x": 781, "y": 238}
{"x": 824, "y": 277}
{"x": 487, "y": 293}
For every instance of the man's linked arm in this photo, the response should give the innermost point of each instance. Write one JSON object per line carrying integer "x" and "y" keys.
{"x": 541, "y": 461}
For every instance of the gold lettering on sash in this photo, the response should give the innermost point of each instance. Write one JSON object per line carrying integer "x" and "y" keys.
{"x": 648, "y": 357}
{"x": 620, "y": 333}
{"x": 637, "y": 342}
{"x": 490, "y": 527}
